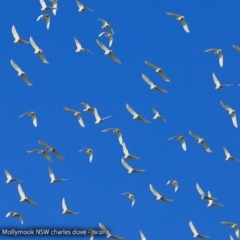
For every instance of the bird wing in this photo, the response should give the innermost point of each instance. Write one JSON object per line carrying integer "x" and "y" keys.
{"x": 48, "y": 19}
{"x": 125, "y": 150}
{"x": 90, "y": 157}
{"x": 8, "y": 175}
{"x": 26, "y": 80}
{"x": 183, "y": 142}
{"x": 185, "y": 26}
{"x": 40, "y": 16}
{"x": 226, "y": 152}
{"x": 34, "y": 120}
{"x": 89, "y": 9}
{"x": 102, "y": 46}
{"x": 15, "y": 66}
{"x": 109, "y": 129}
{"x": 43, "y": 3}
{"x": 69, "y": 110}
{"x": 211, "y": 50}
{"x": 147, "y": 80}
{"x": 30, "y": 201}
{"x": 43, "y": 58}
{"x": 14, "y": 32}
{"x": 131, "y": 110}
{"x": 220, "y": 56}
{"x": 173, "y": 15}
{"x": 126, "y": 165}
{"x": 142, "y": 236}
{"x": 166, "y": 199}
{"x": 45, "y": 144}
{"x": 20, "y": 218}
{"x": 96, "y": 115}
{"x": 58, "y": 155}
{"x": 79, "y": 4}
{"x": 161, "y": 89}
{"x": 234, "y": 120}
{"x": 151, "y": 65}
{"x": 228, "y": 223}
{"x": 114, "y": 58}
{"x": 80, "y": 120}
{"x": 153, "y": 190}
{"x": 46, "y": 155}
{"x": 51, "y": 174}
{"x": 77, "y": 43}
{"x": 20, "y": 191}
{"x": 34, "y": 45}
{"x": 217, "y": 83}
{"x": 103, "y": 227}
{"x": 206, "y": 147}
{"x": 194, "y": 135}
{"x": 164, "y": 76}
{"x": 200, "y": 191}
{"x": 236, "y": 48}
{"x": 226, "y": 106}
{"x": 193, "y": 228}
{"x": 64, "y": 206}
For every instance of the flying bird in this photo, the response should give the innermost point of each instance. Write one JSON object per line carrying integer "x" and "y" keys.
{"x": 152, "y": 85}
{"x": 108, "y": 52}
{"x": 136, "y": 115}
{"x": 54, "y": 6}
{"x": 142, "y": 236}
{"x": 15, "y": 214}
{"x": 45, "y": 7}
{"x": 46, "y": 17}
{"x": 109, "y": 235}
{"x": 51, "y": 149}
{"x": 43, "y": 152}
{"x": 126, "y": 152}
{"x": 87, "y": 108}
{"x": 23, "y": 196}
{"x": 98, "y": 118}
{"x": 79, "y": 47}
{"x": 129, "y": 168}
{"x": 32, "y": 115}
{"x": 76, "y": 114}
{"x": 218, "y": 84}
{"x": 89, "y": 151}
{"x": 53, "y": 178}
{"x": 65, "y": 209}
{"x": 21, "y": 73}
{"x": 81, "y": 7}
{"x": 181, "y": 19}
{"x": 105, "y": 24}
{"x": 181, "y": 139}
{"x": 130, "y": 196}
{"x": 173, "y": 183}
{"x": 17, "y": 39}
{"x": 234, "y": 226}
{"x": 231, "y": 112}
{"x": 195, "y": 233}
{"x": 158, "y": 116}
{"x": 201, "y": 141}
{"x": 219, "y": 53}
{"x": 109, "y": 36}
{"x": 38, "y": 51}
{"x": 158, "y": 195}
{"x": 229, "y": 156}
{"x": 203, "y": 195}
{"x": 158, "y": 70}
{"x": 211, "y": 203}
{"x": 10, "y": 178}
{"x": 117, "y": 131}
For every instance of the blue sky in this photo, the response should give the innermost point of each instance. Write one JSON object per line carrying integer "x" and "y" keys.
{"x": 142, "y": 32}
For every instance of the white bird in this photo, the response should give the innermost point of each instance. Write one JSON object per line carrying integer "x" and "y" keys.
{"x": 87, "y": 108}
{"x": 231, "y": 112}
{"x": 15, "y": 214}
{"x": 17, "y": 39}
{"x": 53, "y": 178}
{"x": 109, "y": 36}
{"x": 181, "y": 19}
{"x": 23, "y": 196}
{"x": 108, "y": 52}
{"x": 219, "y": 53}
{"x": 237, "y": 48}
{"x": 76, "y": 114}
{"x": 21, "y": 73}
{"x": 211, "y": 203}
{"x": 10, "y": 178}
{"x": 38, "y": 51}
{"x": 54, "y": 5}
{"x": 181, "y": 139}
{"x": 105, "y": 24}
{"x": 65, "y": 209}
{"x": 81, "y": 7}
{"x": 234, "y": 226}
{"x": 203, "y": 195}
{"x": 32, "y": 115}
{"x": 51, "y": 149}
{"x": 129, "y": 168}
{"x": 142, "y": 236}
{"x": 89, "y": 151}
{"x": 136, "y": 115}
{"x": 173, "y": 183}
{"x": 152, "y": 85}
{"x": 157, "y": 115}
{"x": 201, "y": 141}
{"x": 45, "y": 7}
{"x": 98, "y": 118}
{"x": 46, "y": 17}
{"x": 79, "y": 47}
{"x": 218, "y": 84}
{"x": 158, "y": 70}
{"x": 229, "y": 156}
{"x": 130, "y": 196}
{"x": 126, "y": 152}
{"x": 195, "y": 233}
{"x": 158, "y": 195}
{"x": 117, "y": 131}
{"x": 109, "y": 235}
{"x": 43, "y": 152}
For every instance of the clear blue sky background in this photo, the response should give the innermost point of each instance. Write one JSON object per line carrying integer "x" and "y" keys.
{"x": 142, "y": 31}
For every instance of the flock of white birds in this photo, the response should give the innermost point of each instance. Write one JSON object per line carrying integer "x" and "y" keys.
{"x": 48, "y": 149}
